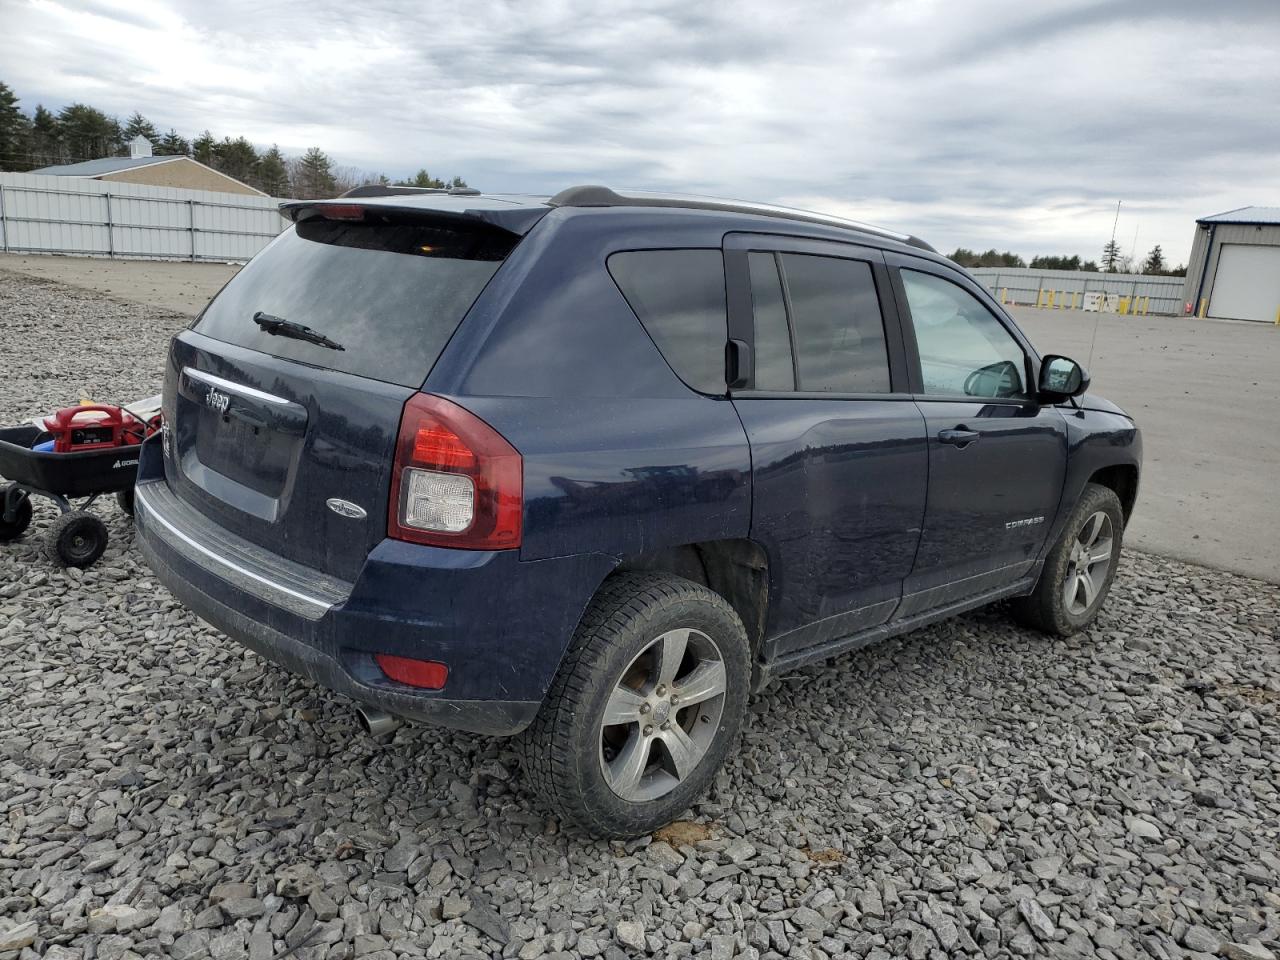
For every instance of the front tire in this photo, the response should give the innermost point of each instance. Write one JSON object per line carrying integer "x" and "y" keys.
{"x": 644, "y": 709}
{"x": 1080, "y": 568}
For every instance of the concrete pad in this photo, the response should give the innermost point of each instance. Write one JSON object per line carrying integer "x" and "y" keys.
{"x": 1206, "y": 395}
{"x": 178, "y": 286}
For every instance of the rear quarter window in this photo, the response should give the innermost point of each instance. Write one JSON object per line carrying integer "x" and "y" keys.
{"x": 679, "y": 297}
{"x": 390, "y": 292}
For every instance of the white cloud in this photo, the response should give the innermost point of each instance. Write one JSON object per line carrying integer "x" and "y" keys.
{"x": 993, "y": 123}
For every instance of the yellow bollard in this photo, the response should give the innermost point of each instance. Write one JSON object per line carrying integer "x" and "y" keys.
{"x": 1278, "y": 316}
{"x": 1073, "y": 299}
{"x": 1004, "y": 295}
{"x": 1124, "y": 307}
{"x": 1052, "y": 305}
{"x": 1204, "y": 307}
{"x": 1146, "y": 305}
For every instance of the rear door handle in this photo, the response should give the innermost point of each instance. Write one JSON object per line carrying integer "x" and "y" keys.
{"x": 959, "y": 437}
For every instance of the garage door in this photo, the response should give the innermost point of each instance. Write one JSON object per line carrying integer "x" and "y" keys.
{"x": 1247, "y": 285}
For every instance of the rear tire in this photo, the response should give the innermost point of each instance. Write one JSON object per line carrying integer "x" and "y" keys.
{"x": 667, "y": 659}
{"x": 1080, "y": 568}
{"x": 76, "y": 539}
{"x": 124, "y": 500}
{"x": 13, "y": 529}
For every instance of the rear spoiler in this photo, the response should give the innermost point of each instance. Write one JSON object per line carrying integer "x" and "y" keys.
{"x": 441, "y": 208}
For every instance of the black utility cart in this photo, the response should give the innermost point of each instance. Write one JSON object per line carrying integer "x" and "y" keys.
{"x": 77, "y": 538}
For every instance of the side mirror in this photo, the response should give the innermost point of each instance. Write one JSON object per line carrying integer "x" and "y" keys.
{"x": 1061, "y": 378}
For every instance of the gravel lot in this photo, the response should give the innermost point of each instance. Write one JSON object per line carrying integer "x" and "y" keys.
{"x": 971, "y": 789}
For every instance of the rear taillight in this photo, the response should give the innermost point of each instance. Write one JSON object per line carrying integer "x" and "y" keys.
{"x": 456, "y": 482}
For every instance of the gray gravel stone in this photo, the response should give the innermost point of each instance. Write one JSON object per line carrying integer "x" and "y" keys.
{"x": 18, "y": 936}
{"x": 630, "y": 933}
{"x": 230, "y": 891}
{"x": 1037, "y": 919}
{"x": 191, "y": 946}
{"x": 1246, "y": 951}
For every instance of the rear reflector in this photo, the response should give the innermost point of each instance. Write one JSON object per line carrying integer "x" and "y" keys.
{"x": 427, "y": 674}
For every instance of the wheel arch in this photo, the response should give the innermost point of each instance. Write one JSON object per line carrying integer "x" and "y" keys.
{"x": 1122, "y": 480}
{"x": 737, "y": 569}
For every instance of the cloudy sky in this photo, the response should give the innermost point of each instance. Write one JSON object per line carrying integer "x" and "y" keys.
{"x": 1014, "y": 123}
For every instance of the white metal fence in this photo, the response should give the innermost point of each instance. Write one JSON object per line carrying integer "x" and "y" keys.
{"x": 1066, "y": 289}
{"x": 98, "y": 218}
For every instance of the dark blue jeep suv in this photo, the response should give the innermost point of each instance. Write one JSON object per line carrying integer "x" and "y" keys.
{"x": 589, "y": 469}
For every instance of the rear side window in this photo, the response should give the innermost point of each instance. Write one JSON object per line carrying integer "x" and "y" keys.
{"x": 390, "y": 293}
{"x": 774, "y": 370}
{"x": 839, "y": 332}
{"x": 679, "y": 297}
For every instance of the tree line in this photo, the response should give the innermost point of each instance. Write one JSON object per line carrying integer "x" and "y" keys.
{"x": 81, "y": 132}
{"x": 1113, "y": 261}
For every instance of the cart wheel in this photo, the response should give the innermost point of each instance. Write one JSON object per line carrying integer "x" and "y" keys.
{"x": 124, "y": 499}
{"x": 76, "y": 539}
{"x": 13, "y": 529}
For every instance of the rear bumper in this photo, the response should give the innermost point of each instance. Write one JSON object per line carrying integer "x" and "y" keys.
{"x": 501, "y": 625}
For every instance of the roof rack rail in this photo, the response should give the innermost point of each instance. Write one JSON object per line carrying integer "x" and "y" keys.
{"x": 591, "y": 195}
{"x": 396, "y": 190}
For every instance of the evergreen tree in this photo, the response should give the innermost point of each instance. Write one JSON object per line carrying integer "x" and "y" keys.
{"x": 139, "y": 126}
{"x": 1155, "y": 261}
{"x": 88, "y": 133}
{"x": 45, "y": 142}
{"x": 173, "y": 145}
{"x": 314, "y": 178}
{"x": 1111, "y": 257}
{"x": 422, "y": 179}
{"x": 236, "y": 158}
{"x": 203, "y": 149}
{"x": 457, "y": 183}
{"x": 991, "y": 258}
{"x": 272, "y": 174}
{"x": 14, "y": 132}
{"x": 1056, "y": 263}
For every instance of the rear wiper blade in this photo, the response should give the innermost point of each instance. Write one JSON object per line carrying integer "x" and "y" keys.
{"x": 280, "y": 327}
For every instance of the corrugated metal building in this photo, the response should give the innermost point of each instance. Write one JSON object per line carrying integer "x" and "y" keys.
{"x": 1234, "y": 272}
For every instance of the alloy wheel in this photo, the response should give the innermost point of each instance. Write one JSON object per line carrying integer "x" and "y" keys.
{"x": 1088, "y": 564}
{"x": 662, "y": 715}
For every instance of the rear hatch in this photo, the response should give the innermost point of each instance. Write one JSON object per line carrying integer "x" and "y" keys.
{"x": 283, "y": 400}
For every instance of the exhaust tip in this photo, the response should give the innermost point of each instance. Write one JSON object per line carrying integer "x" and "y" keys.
{"x": 377, "y": 723}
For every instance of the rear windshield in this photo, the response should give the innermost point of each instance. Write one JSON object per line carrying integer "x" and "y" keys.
{"x": 389, "y": 292}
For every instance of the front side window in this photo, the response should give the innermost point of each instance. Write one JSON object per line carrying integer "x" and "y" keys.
{"x": 836, "y": 323}
{"x": 964, "y": 350}
{"x": 679, "y": 297}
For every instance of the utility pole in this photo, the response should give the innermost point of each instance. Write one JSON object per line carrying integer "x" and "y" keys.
{"x": 1116, "y": 222}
